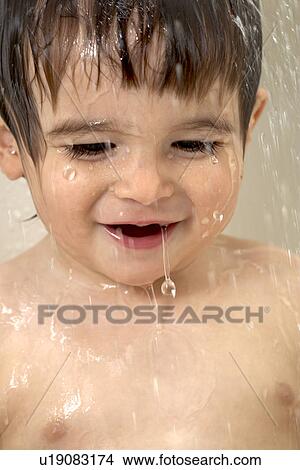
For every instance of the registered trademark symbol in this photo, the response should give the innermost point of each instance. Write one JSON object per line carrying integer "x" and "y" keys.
{"x": 267, "y": 309}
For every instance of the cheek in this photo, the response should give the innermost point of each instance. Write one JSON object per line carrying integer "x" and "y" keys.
{"x": 218, "y": 189}
{"x": 214, "y": 189}
{"x": 69, "y": 191}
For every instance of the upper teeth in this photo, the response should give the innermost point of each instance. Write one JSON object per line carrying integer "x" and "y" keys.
{"x": 145, "y": 225}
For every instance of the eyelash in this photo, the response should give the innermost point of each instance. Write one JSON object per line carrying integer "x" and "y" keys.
{"x": 76, "y": 152}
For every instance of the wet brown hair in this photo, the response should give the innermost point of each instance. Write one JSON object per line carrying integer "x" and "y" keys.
{"x": 209, "y": 39}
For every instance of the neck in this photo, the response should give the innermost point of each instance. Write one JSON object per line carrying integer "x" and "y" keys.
{"x": 68, "y": 273}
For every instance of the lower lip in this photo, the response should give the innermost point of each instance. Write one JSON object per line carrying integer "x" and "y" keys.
{"x": 139, "y": 243}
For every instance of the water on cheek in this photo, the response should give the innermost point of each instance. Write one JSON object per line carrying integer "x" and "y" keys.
{"x": 218, "y": 216}
{"x": 69, "y": 173}
{"x": 233, "y": 168}
{"x": 214, "y": 160}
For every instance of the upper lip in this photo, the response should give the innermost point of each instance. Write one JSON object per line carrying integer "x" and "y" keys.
{"x": 142, "y": 223}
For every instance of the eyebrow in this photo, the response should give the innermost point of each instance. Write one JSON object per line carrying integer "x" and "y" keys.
{"x": 213, "y": 122}
{"x": 80, "y": 128}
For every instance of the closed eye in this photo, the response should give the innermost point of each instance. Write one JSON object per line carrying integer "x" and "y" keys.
{"x": 90, "y": 151}
{"x": 86, "y": 151}
{"x": 196, "y": 146}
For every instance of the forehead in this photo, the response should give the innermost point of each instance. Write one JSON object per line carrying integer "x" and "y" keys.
{"x": 82, "y": 99}
{"x": 81, "y": 95}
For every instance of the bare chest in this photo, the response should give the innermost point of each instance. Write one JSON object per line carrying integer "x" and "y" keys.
{"x": 172, "y": 391}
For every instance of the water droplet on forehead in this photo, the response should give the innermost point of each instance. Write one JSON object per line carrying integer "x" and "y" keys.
{"x": 69, "y": 173}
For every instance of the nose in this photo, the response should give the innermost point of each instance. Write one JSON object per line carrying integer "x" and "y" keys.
{"x": 145, "y": 185}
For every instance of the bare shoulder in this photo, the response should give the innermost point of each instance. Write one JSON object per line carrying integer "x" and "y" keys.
{"x": 12, "y": 288}
{"x": 280, "y": 261}
{"x": 269, "y": 349}
{"x": 12, "y": 282}
{"x": 17, "y": 272}
{"x": 272, "y": 274}
{"x": 17, "y": 289}
{"x": 14, "y": 341}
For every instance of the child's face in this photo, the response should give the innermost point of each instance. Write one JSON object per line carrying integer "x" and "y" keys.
{"x": 149, "y": 175}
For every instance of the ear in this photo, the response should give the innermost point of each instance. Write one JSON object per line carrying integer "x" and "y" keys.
{"x": 262, "y": 98}
{"x": 10, "y": 160}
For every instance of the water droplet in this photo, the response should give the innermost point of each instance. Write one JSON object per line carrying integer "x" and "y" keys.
{"x": 214, "y": 160}
{"x": 232, "y": 163}
{"x": 168, "y": 287}
{"x": 218, "y": 216}
{"x": 155, "y": 387}
{"x": 285, "y": 213}
{"x": 4, "y": 309}
{"x": 153, "y": 301}
{"x": 12, "y": 151}
{"x": 69, "y": 173}
{"x": 134, "y": 419}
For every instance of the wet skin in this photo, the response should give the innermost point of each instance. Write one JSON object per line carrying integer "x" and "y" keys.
{"x": 189, "y": 386}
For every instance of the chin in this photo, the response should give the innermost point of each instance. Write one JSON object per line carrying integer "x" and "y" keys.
{"x": 136, "y": 279}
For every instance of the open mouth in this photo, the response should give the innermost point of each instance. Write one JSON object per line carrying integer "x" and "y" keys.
{"x": 136, "y": 231}
{"x": 136, "y": 237}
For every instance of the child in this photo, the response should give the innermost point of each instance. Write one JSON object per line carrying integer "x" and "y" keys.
{"x": 127, "y": 117}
